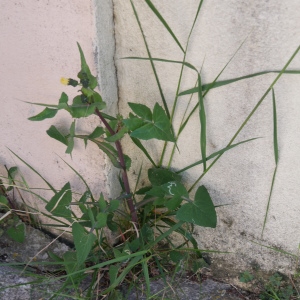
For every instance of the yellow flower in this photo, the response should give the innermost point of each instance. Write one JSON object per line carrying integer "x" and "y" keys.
{"x": 64, "y": 81}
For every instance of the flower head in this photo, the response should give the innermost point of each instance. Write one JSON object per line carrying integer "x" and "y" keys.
{"x": 64, "y": 81}
{"x": 68, "y": 81}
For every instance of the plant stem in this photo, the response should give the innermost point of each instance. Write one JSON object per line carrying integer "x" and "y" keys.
{"x": 123, "y": 166}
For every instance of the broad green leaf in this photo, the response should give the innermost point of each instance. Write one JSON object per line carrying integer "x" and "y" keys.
{"x": 63, "y": 101}
{"x": 159, "y": 128}
{"x": 11, "y": 175}
{"x": 101, "y": 220}
{"x": 71, "y": 138}
{"x": 200, "y": 212}
{"x": 118, "y": 135}
{"x": 47, "y": 113}
{"x": 102, "y": 203}
{"x": 83, "y": 242}
{"x": 113, "y": 205}
{"x": 160, "y": 176}
{"x": 98, "y": 131}
{"x": 177, "y": 191}
{"x": 81, "y": 110}
{"x": 3, "y": 200}
{"x": 111, "y": 224}
{"x": 86, "y": 195}
{"x": 177, "y": 256}
{"x": 55, "y": 134}
{"x": 72, "y": 266}
{"x": 85, "y": 76}
{"x": 141, "y": 110}
{"x": 59, "y": 205}
{"x": 133, "y": 123}
{"x": 17, "y": 233}
{"x": 147, "y": 234}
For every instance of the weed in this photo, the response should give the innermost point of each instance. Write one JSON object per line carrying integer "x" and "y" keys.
{"x": 143, "y": 246}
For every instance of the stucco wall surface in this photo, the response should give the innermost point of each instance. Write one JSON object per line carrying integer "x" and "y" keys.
{"x": 38, "y": 47}
{"x": 241, "y": 179}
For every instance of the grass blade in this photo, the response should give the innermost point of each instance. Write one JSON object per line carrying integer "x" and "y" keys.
{"x": 151, "y": 61}
{"x": 159, "y": 16}
{"x": 275, "y": 146}
{"x": 202, "y": 117}
{"x": 215, "y": 154}
{"x": 140, "y": 145}
{"x": 208, "y": 89}
{"x": 88, "y": 188}
{"x": 250, "y": 115}
{"x": 217, "y": 84}
{"x": 34, "y": 170}
{"x": 163, "y": 60}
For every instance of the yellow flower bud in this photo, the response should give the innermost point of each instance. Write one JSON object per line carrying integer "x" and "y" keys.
{"x": 64, "y": 81}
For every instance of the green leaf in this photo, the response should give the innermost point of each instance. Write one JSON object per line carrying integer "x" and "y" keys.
{"x": 177, "y": 191}
{"x": 55, "y": 134}
{"x": 134, "y": 123}
{"x": 83, "y": 242}
{"x": 81, "y": 110}
{"x": 113, "y": 205}
{"x": 246, "y": 277}
{"x": 112, "y": 153}
{"x": 98, "y": 131}
{"x": 47, "y": 113}
{"x": 102, "y": 203}
{"x": 59, "y": 205}
{"x": 177, "y": 256}
{"x": 17, "y": 233}
{"x": 200, "y": 212}
{"x": 85, "y": 76}
{"x": 63, "y": 102}
{"x": 118, "y": 135}
{"x": 71, "y": 138}
{"x": 101, "y": 220}
{"x": 113, "y": 273}
{"x": 11, "y": 175}
{"x": 3, "y": 200}
{"x": 141, "y": 110}
{"x": 160, "y": 176}
{"x": 159, "y": 128}
{"x": 147, "y": 234}
{"x": 113, "y": 226}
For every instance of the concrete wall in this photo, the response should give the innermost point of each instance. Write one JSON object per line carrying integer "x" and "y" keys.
{"x": 242, "y": 177}
{"x": 38, "y": 47}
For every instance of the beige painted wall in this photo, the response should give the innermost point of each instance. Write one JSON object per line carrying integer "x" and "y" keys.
{"x": 242, "y": 177}
{"x": 38, "y": 47}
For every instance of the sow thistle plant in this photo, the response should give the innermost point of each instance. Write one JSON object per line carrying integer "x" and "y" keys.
{"x": 143, "y": 228}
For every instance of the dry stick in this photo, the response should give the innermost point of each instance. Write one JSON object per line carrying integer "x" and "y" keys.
{"x": 123, "y": 166}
